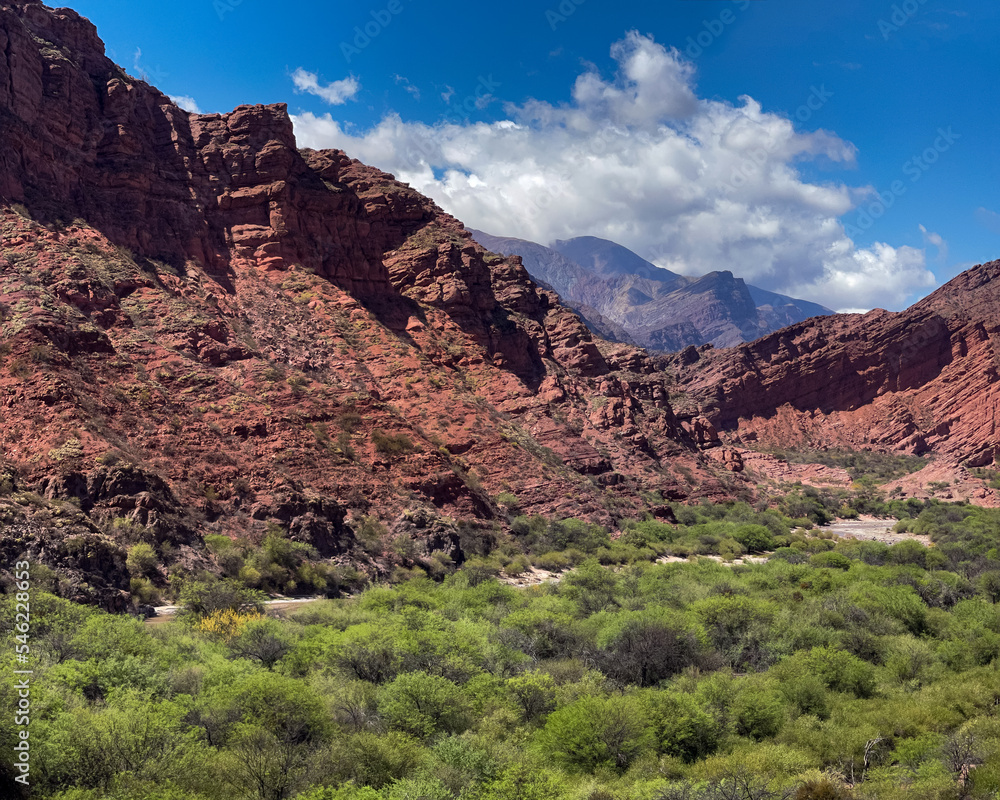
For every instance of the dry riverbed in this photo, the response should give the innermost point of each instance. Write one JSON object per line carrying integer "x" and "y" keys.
{"x": 167, "y": 613}
{"x": 875, "y": 530}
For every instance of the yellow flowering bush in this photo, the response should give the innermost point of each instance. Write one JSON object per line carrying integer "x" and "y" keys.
{"x": 226, "y": 624}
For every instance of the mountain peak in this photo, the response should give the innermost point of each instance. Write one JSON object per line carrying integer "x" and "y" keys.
{"x": 605, "y": 257}
{"x": 624, "y": 297}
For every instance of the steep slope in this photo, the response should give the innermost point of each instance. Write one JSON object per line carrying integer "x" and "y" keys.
{"x": 623, "y": 296}
{"x": 204, "y": 329}
{"x": 921, "y": 381}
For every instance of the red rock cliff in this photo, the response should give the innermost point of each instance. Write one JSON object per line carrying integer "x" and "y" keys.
{"x": 205, "y": 329}
{"x": 924, "y": 380}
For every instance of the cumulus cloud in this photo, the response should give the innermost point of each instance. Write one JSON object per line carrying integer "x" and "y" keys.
{"x": 692, "y": 184}
{"x": 336, "y": 93}
{"x": 187, "y": 103}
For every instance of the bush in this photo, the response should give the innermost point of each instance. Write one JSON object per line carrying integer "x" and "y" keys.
{"x": 389, "y": 444}
{"x": 755, "y": 538}
{"x": 422, "y": 704}
{"x": 597, "y": 733}
{"x": 759, "y": 713}
{"x": 375, "y": 760}
{"x": 830, "y": 560}
{"x": 644, "y": 652}
{"x": 141, "y": 560}
{"x": 508, "y": 501}
{"x": 682, "y": 726}
{"x": 201, "y": 598}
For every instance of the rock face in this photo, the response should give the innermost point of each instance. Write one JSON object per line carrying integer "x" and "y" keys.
{"x": 204, "y": 329}
{"x": 921, "y": 381}
{"x": 625, "y": 298}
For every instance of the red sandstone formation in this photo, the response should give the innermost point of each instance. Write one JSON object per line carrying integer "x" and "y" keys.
{"x": 923, "y": 381}
{"x": 205, "y": 329}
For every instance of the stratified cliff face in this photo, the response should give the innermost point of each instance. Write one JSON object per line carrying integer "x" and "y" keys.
{"x": 204, "y": 329}
{"x": 80, "y": 139}
{"x": 920, "y": 381}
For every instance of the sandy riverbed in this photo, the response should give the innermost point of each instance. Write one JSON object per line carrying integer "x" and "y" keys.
{"x": 875, "y": 530}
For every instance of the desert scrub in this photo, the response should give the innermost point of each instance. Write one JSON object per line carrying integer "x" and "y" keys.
{"x": 390, "y": 444}
{"x": 71, "y": 448}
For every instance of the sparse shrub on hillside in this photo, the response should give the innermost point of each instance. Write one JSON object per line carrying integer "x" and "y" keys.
{"x": 860, "y": 464}
{"x": 40, "y": 354}
{"x": 991, "y": 476}
{"x": 109, "y": 459}
{"x": 508, "y": 501}
{"x": 350, "y": 421}
{"x": 71, "y": 448}
{"x": 541, "y": 535}
{"x": 19, "y": 369}
{"x": 389, "y": 444}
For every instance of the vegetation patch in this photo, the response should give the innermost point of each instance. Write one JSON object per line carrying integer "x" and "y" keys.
{"x": 860, "y": 671}
{"x": 860, "y": 464}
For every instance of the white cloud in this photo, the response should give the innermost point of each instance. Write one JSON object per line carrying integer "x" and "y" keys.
{"x": 187, "y": 103}
{"x": 409, "y": 87}
{"x": 938, "y": 241}
{"x": 336, "y": 93}
{"x": 692, "y": 184}
{"x": 137, "y": 67}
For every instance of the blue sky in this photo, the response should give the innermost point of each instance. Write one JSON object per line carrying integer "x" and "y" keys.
{"x": 846, "y": 152}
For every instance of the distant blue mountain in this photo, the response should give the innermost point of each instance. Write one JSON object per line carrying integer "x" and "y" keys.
{"x": 625, "y": 298}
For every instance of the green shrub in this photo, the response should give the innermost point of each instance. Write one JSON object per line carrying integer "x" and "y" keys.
{"x": 389, "y": 444}
{"x": 141, "y": 559}
{"x": 597, "y": 733}
{"x": 421, "y": 705}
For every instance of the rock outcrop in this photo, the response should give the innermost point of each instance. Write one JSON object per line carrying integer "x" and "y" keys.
{"x": 926, "y": 380}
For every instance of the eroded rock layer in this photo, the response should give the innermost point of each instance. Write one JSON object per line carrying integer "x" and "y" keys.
{"x": 920, "y": 381}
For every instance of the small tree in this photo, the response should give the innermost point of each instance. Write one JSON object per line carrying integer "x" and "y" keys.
{"x": 423, "y": 704}
{"x": 597, "y": 733}
{"x": 201, "y": 598}
{"x": 141, "y": 560}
